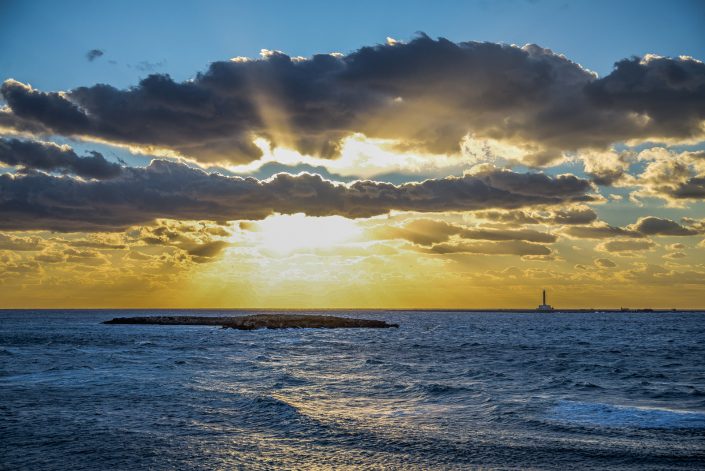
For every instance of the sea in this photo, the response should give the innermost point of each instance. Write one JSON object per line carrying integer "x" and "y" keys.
{"x": 446, "y": 390}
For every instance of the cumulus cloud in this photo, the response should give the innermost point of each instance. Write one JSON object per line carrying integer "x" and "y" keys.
{"x": 607, "y": 167}
{"x": 171, "y": 190}
{"x": 672, "y": 176}
{"x": 199, "y": 241}
{"x": 425, "y": 94}
{"x": 668, "y": 93}
{"x": 51, "y": 157}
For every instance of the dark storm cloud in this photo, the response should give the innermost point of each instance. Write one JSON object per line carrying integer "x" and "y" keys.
{"x": 50, "y": 157}
{"x": 11, "y": 121}
{"x": 93, "y": 54}
{"x": 171, "y": 190}
{"x": 671, "y": 92}
{"x": 49, "y": 110}
{"x": 427, "y": 94}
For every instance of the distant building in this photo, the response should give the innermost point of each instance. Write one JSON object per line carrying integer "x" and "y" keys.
{"x": 544, "y": 306}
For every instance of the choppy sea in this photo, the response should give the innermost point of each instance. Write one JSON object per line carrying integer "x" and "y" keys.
{"x": 447, "y": 390}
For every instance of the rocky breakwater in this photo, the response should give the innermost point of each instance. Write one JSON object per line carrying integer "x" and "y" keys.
{"x": 260, "y": 321}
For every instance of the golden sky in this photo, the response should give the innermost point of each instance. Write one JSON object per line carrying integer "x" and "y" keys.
{"x": 420, "y": 174}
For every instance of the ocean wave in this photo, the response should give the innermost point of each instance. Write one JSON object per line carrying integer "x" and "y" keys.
{"x": 492, "y": 390}
{"x": 620, "y": 416}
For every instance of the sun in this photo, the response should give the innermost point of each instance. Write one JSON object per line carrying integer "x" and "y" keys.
{"x": 283, "y": 234}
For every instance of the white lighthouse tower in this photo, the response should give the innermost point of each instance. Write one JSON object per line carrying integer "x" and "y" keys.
{"x": 544, "y": 307}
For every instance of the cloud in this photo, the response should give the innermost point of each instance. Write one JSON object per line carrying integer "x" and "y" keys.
{"x": 86, "y": 257}
{"x": 429, "y": 232}
{"x": 424, "y": 94}
{"x": 50, "y": 157}
{"x": 20, "y": 244}
{"x": 644, "y": 226}
{"x": 600, "y": 231}
{"x": 656, "y": 274}
{"x": 195, "y": 239}
{"x": 146, "y": 66}
{"x": 13, "y": 268}
{"x": 605, "y": 168}
{"x": 203, "y": 253}
{"x": 172, "y": 190}
{"x": 626, "y": 245}
{"x": 92, "y": 244}
{"x": 672, "y": 176}
{"x": 420, "y": 231}
{"x": 693, "y": 188}
{"x": 605, "y": 263}
{"x": 51, "y": 111}
{"x": 651, "y": 225}
{"x": 669, "y": 93}
{"x": 57, "y": 254}
{"x": 511, "y": 247}
{"x": 94, "y": 54}
{"x": 572, "y": 215}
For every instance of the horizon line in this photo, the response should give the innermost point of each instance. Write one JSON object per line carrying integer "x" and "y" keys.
{"x": 517, "y": 310}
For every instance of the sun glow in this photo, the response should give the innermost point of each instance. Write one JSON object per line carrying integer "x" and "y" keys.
{"x": 360, "y": 157}
{"x": 283, "y": 234}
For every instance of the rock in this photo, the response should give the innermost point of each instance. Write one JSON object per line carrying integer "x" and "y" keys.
{"x": 260, "y": 321}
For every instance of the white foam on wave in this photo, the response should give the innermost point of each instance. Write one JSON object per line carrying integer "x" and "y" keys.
{"x": 609, "y": 415}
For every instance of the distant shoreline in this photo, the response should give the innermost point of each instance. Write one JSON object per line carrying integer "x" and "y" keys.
{"x": 474, "y": 310}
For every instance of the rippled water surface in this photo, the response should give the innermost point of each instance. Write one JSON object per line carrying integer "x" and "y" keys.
{"x": 444, "y": 391}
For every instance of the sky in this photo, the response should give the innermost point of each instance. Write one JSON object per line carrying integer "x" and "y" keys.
{"x": 352, "y": 154}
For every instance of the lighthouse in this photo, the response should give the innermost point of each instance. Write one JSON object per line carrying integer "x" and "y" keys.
{"x": 543, "y": 306}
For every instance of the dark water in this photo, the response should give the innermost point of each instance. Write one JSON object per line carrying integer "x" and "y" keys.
{"x": 444, "y": 391}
